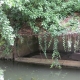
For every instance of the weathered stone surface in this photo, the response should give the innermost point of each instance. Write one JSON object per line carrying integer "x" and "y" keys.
{"x": 29, "y": 45}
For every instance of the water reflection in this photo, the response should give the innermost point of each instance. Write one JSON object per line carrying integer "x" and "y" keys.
{"x": 22, "y": 71}
{"x": 1, "y": 74}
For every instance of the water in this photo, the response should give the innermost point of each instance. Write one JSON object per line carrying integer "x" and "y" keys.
{"x": 22, "y": 71}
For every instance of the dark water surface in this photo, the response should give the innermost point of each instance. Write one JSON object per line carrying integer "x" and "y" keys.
{"x": 23, "y": 71}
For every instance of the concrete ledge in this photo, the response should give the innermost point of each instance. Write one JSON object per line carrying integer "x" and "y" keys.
{"x": 65, "y": 63}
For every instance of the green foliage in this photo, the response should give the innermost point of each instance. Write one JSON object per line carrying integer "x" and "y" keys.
{"x": 6, "y": 31}
{"x": 43, "y": 16}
